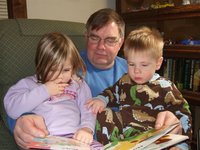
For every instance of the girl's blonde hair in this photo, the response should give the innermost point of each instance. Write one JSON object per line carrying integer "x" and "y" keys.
{"x": 53, "y": 50}
{"x": 144, "y": 39}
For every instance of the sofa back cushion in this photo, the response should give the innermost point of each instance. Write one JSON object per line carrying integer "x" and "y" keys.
{"x": 18, "y": 43}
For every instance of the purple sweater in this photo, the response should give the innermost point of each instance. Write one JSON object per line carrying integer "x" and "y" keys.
{"x": 63, "y": 114}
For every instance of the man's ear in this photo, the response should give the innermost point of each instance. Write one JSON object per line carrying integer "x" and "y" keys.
{"x": 159, "y": 63}
{"x": 121, "y": 41}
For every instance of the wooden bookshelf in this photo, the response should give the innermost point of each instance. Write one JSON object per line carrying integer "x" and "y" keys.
{"x": 194, "y": 97}
{"x": 177, "y": 23}
{"x": 161, "y": 14}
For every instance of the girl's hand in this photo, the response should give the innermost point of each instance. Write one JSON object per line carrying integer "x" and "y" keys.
{"x": 56, "y": 86}
{"x": 96, "y": 105}
{"x": 84, "y": 135}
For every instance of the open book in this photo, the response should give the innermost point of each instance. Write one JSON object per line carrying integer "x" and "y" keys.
{"x": 150, "y": 140}
{"x": 62, "y": 143}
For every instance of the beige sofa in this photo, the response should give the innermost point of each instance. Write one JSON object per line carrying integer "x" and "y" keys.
{"x": 18, "y": 41}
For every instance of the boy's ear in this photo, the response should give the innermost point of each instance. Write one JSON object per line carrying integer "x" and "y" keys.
{"x": 159, "y": 63}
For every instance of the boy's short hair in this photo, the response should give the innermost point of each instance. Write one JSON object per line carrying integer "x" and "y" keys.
{"x": 144, "y": 39}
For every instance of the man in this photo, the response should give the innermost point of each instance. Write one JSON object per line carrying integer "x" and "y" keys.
{"x": 105, "y": 36}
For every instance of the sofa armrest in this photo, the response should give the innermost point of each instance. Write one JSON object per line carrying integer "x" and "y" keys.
{"x": 7, "y": 141}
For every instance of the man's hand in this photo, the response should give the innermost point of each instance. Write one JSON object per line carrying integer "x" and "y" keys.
{"x": 84, "y": 135}
{"x": 27, "y": 127}
{"x": 174, "y": 148}
{"x": 168, "y": 118}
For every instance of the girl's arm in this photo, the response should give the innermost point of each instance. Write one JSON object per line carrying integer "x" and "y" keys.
{"x": 88, "y": 118}
{"x": 24, "y": 96}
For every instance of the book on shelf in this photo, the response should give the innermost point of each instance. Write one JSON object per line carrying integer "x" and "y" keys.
{"x": 185, "y": 73}
{"x": 196, "y": 76}
{"x": 63, "y": 143}
{"x": 187, "y": 69}
{"x": 191, "y": 74}
{"x": 168, "y": 65}
{"x": 179, "y": 75}
{"x": 149, "y": 140}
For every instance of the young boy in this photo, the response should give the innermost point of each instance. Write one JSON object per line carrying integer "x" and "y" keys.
{"x": 138, "y": 96}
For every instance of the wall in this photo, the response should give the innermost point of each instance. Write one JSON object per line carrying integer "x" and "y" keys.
{"x": 69, "y": 10}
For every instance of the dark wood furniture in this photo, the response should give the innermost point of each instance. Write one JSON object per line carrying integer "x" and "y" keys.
{"x": 17, "y": 9}
{"x": 176, "y": 23}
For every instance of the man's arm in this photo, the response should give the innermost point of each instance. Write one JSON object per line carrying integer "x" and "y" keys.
{"x": 27, "y": 127}
{"x": 11, "y": 123}
{"x": 168, "y": 118}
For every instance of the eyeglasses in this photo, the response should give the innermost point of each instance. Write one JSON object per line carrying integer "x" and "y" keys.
{"x": 109, "y": 41}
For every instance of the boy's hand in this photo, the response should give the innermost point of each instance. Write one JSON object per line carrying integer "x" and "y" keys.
{"x": 56, "y": 86}
{"x": 84, "y": 135}
{"x": 96, "y": 105}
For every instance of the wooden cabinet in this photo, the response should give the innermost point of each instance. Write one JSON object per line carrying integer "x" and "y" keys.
{"x": 17, "y": 9}
{"x": 177, "y": 23}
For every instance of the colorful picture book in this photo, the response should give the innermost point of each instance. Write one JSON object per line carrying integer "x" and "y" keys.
{"x": 63, "y": 143}
{"x": 150, "y": 140}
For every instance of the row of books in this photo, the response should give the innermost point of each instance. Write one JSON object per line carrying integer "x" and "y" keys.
{"x": 185, "y": 73}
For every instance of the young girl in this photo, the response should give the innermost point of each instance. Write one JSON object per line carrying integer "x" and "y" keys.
{"x": 57, "y": 90}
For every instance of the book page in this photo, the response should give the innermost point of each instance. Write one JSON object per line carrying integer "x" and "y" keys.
{"x": 63, "y": 143}
{"x": 153, "y": 135}
{"x": 143, "y": 140}
{"x": 166, "y": 141}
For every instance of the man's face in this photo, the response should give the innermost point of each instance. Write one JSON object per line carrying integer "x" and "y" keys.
{"x": 103, "y": 45}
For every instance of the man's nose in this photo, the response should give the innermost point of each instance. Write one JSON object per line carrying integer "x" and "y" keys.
{"x": 101, "y": 44}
